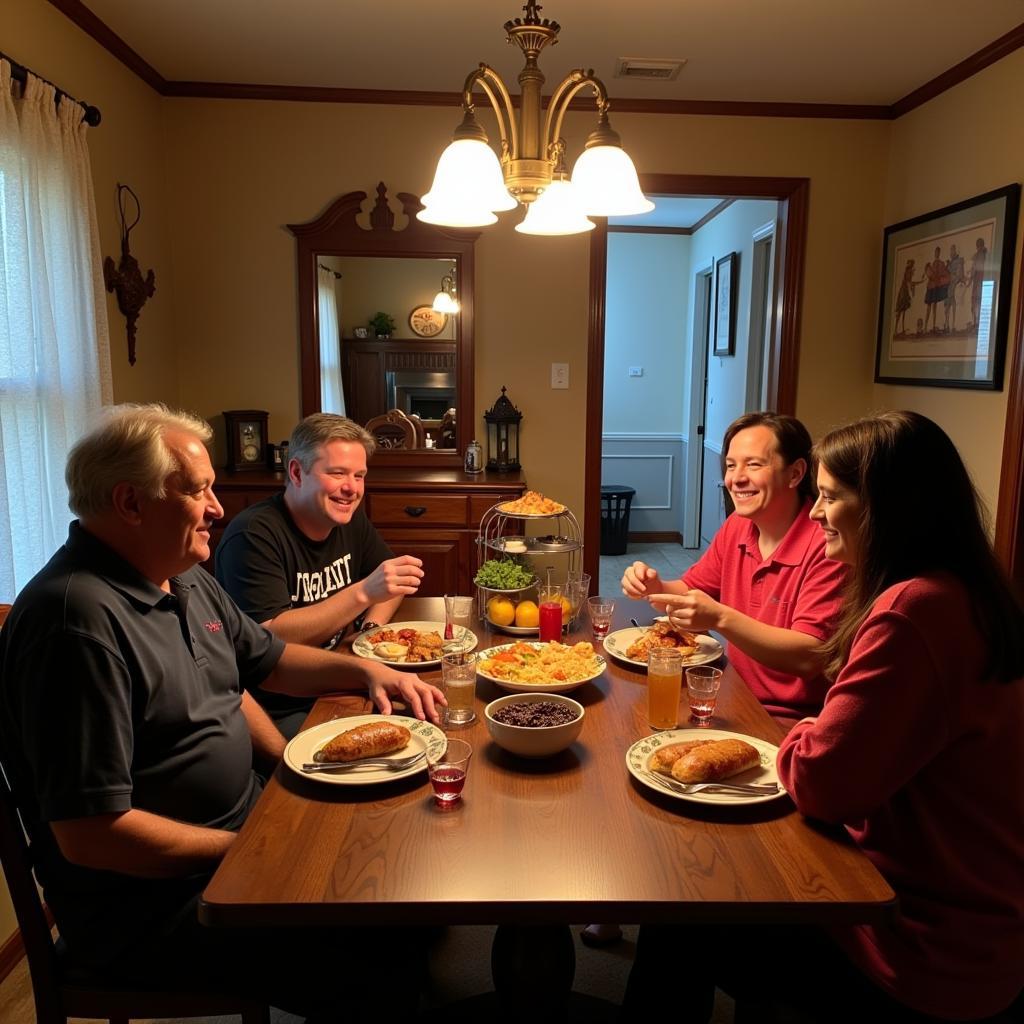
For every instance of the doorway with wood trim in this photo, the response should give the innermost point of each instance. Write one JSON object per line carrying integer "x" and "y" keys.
{"x": 782, "y": 320}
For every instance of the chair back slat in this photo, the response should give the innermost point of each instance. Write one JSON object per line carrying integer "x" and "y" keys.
{"x": 28, "y": 908}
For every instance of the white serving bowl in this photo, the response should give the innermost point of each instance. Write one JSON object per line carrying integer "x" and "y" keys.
{"x": 534, "y": 741}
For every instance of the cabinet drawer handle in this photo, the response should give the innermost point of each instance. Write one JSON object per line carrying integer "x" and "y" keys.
{"x": 415, "y": 510}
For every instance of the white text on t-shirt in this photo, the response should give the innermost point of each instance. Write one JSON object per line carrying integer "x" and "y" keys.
{"x": 315, "y": 586}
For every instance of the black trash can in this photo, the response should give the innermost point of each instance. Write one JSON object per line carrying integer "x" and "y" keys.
{"x": 615, "y": 502}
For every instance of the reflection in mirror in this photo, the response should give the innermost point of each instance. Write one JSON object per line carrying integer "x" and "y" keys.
{"x": 420, "y": 378}
{"x": 372, "y": 344}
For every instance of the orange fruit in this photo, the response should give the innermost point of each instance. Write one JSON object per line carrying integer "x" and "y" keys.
{"x": 501, "y": 611}
{"x": 566, "y": 610}
{"x": 527, "y": 615}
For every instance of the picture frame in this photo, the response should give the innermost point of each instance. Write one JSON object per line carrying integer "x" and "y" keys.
{"x": 944, "y": 304}
{"x": 725, "y": 305}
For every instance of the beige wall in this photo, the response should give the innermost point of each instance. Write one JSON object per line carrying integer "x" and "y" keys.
{"x": 243, "y": 170}
{"x": 960, "y": 145}
{"x": 219, "y": 180}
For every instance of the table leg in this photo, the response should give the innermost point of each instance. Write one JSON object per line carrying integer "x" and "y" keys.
{"x": 533, "y": 968}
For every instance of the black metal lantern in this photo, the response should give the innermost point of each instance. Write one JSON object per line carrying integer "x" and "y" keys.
{"x": 503, "y": 435}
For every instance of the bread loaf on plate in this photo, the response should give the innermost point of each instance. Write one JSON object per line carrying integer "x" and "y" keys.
{"x": 714, "y": 761}
{"x": 664, "y": 757}
{"x": 372, "y": 739}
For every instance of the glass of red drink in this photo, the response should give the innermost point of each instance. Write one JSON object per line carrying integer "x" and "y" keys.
{"x": 601, "y": 611}
{"x": 702, "y": 685}
{"x": 550, "y": 608}
{"x": 447, "y": 770}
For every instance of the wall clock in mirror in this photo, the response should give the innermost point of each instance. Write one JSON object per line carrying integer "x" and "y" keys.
{"x": 427, "y": 322}
{"x": 247, "y": 438}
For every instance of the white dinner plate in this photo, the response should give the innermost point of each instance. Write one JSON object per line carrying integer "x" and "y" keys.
{"x": 465, "y": 638}
{"x": 640, "y": 753}
{"x": 302, "y": 748}
{"x": 621, "y": 640}
{"x": 548, "y": 686}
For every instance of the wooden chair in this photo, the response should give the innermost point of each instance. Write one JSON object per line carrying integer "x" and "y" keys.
{"x": 393, "y": 430}
{"x": 421, "y": 430}
{"x": 60, "y": 993}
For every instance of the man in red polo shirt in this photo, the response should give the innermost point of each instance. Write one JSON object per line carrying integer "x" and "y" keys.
{"x": 765, "y": 583}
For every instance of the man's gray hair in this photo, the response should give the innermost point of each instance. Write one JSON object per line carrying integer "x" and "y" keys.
{"x": 126, "y": 446}
{"x": 321, "y": 428}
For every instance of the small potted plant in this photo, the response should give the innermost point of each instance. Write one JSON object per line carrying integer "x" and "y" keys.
{"x": 382, "y": 324}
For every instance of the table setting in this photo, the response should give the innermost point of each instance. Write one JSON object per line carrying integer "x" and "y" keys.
{"x": 579, "y": 833}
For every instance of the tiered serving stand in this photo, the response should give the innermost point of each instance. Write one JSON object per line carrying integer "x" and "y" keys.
{"x": 561, "y": 550}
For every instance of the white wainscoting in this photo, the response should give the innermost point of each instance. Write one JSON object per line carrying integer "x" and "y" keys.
{"x": 650, "y": 464}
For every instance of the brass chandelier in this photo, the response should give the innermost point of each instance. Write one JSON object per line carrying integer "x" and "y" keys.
{"x": 471, "y": 184}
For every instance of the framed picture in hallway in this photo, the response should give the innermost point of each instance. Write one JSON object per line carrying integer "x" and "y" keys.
{"x": 945, "y": 296}
{"x": 725, "y": 305}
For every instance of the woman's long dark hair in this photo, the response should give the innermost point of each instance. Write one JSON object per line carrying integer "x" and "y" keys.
{"x": 920, "y": 514}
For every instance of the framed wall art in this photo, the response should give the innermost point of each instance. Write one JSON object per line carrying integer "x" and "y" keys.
{"x": 945, "y": 298}
{"x": 725, "y": 305}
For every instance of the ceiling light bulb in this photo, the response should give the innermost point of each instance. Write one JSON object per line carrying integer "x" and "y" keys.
{"x": 607, "y": 183}
{"x": 556, "y": 211}
{"x": 468, "y": 187}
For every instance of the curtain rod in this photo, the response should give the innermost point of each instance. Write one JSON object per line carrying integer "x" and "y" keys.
{"x": 329, "y": 270}
{"x": 91, "y": 115}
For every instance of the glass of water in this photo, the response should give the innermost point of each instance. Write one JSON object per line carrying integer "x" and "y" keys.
{"x": 458, "y": 680}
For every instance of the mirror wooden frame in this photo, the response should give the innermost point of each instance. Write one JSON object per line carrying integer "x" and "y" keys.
{"x": 336, "y": 232}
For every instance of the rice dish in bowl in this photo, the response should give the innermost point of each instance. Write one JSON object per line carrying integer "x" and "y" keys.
{"x": 531, "y": 667}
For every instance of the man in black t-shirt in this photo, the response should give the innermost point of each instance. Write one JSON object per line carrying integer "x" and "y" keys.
{"x": 127, "y": 733}
{"x": 308, "y": 563}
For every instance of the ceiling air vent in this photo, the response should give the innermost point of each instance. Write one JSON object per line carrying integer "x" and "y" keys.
{"x": 649, "y": 68}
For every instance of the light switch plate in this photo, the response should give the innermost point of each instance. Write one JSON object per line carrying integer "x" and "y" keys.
{"x": 559, "y": 375}
{"x": 636, "y": 371}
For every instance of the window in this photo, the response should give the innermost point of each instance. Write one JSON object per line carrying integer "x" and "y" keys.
{"x": 54, "y": 357}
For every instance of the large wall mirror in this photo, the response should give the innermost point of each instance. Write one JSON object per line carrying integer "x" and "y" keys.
{"x": 414, "y": 388}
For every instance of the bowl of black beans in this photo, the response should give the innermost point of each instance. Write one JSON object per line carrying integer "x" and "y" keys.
{"x": 534, "y": 724}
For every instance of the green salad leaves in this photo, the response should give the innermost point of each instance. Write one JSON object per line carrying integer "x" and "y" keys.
{"x": 502, "y": 574}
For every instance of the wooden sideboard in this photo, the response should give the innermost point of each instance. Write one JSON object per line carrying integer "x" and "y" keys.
{"x": 433, "y": 514}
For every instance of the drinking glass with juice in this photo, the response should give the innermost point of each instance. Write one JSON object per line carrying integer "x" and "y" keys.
{"x": 550, "y": 609}
{"x": 664, "y": 687}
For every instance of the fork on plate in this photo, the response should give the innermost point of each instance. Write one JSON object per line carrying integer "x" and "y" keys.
{"x": 688, "y": 788}
{"x": 392, "y": 763}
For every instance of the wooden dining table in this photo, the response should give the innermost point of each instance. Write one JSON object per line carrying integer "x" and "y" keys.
{"x": 572, "y": 837}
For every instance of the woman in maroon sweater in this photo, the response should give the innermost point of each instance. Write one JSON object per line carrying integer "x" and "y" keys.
{"x": 918, "y": 751}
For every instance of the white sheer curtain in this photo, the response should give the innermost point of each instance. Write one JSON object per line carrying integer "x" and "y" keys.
{"x": 54, "y": 354}
{"x": 332, "y": 398}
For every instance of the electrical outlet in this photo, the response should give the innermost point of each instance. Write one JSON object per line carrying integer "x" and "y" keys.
{"x": 559, "y": 375}
{"x": 636, "y": 371}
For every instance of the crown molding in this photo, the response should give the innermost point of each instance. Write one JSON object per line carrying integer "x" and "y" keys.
{"x": 78, "y": 13}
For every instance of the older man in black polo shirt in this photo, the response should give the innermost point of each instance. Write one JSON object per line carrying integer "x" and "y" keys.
{"x": 125, "y": 727}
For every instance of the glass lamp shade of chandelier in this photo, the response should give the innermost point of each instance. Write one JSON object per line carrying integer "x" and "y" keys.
{"x": 468, "y": 187}
{"x": 606, "y": 183}
{"x": 556, "y": 211}
{"x": 444, "y": 301}
{"x": 532, "y": 147}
